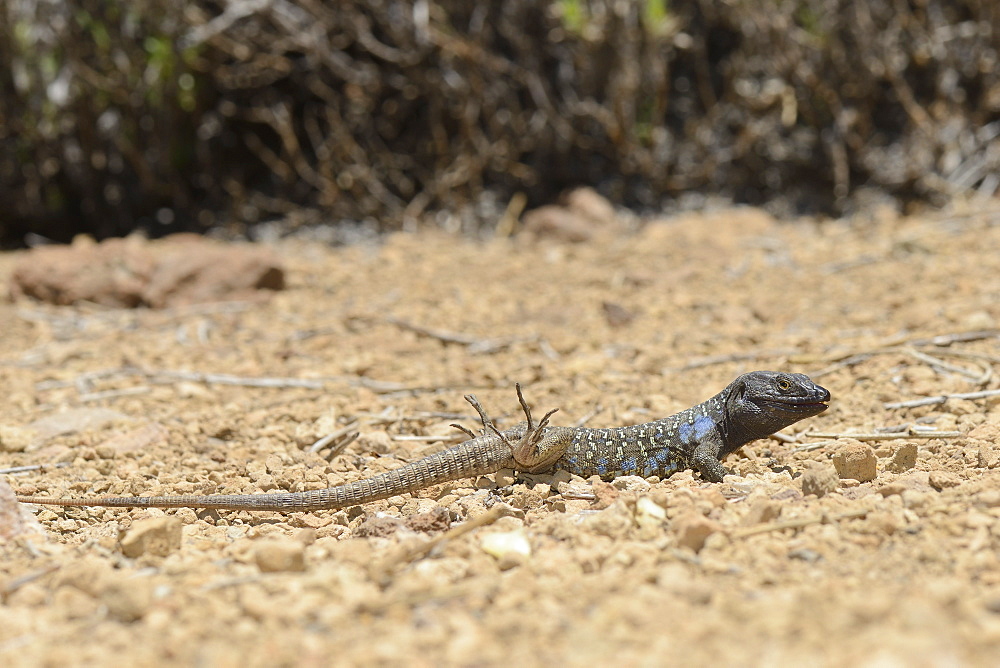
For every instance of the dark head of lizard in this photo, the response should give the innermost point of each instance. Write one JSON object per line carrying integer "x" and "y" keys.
{"x": 760, "y": 403}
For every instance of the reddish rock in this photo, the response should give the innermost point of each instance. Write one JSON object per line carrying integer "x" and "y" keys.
{"x": 581, "y": 214}
{"x": 588, "y": 204}
{"x": 197, "y": 271}
{"x": 126, "y": 273}
{"x": 112, "y": 273}
{"x": 693, "y": 529}
{"x": 558, "y": 223}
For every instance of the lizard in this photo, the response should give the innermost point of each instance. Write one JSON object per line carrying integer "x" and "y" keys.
{"x": 753, "y": 406}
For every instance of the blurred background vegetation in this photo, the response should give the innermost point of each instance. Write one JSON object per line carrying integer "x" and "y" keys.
{"x": 118, "y": 115}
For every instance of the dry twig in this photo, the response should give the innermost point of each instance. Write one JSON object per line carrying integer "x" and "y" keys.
{"x": 930, "y": 401}
{"x": 475, "y": 344}
{"x": 797, "y": 523}
{"x": 887, "y": 436}
{"x": 33, "y": 467}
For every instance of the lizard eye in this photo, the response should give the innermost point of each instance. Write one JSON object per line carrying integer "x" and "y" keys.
{"x": 784, "y": 384}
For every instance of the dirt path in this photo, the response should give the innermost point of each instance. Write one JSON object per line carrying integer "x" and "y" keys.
{"x": 899, "y": 570}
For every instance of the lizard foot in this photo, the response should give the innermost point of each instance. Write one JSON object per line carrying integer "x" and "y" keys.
{"x": 534, "y": 450}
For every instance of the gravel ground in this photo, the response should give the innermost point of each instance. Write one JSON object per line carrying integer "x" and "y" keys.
{"x": 823, "y": 550}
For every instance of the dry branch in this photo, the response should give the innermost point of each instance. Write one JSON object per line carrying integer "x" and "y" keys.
{"x": 930, "y": 401}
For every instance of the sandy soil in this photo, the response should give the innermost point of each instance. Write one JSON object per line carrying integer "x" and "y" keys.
{"x": 899, "y": 570}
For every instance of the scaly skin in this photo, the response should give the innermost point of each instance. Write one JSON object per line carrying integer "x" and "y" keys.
{"x": 753, "y": 406}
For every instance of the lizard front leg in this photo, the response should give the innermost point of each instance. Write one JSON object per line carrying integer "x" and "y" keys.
{"x": 705, "y": 457}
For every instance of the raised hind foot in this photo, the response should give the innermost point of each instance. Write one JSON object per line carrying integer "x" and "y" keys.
{"x": 538, "y": 448}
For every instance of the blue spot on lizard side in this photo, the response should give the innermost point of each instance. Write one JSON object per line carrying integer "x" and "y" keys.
{"x": 703, "y": 426}
{"x": 686, "y": 431}
{"x": 602, "y": 466}
{"x": 694, "y": 432}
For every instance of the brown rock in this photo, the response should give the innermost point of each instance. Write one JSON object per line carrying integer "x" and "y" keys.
{"x": 989, "y": 498}
{"x": 72, "y": 420}
{"x": 693, "y": 529}
{"x": 631, "y": 483}
{"x": 819, "y": 480}
{"x": 605, "y": 494}
{"x": 988, "y": 457}
{"x": 89, "y": 574}
{"x": 112, "y": 273}
{"x": 504, "y": 478}
{"x": 588, "y": 204}
{"x": 583, "y": 214}
{"x": 787, "y": 494}
{"x": 436, "y": 519}
{"x": 988, "y": 431}
{"x": 524, "y": 498}
{"x": 892, "y": 489}
{"x": 917, "y": 480}
{"x": 279, "y": 555}
{"x": 762, "y": 510}
{"x": 198, "y": 271}
{"x": 128, "y": 599}
{"x": 616, "y": 521}
{"x": 378, "y": 527}
{"x": 158, "y": 536}
{"x": 856, "y": 460}
{"x": 885, "y": 522}
{"x": 378, "y": 442}
{"x": 555, "y": 222}
{"x": 903, "y": 458}
{"x": 15, "y": 439}
{"x": 74, "y": 604}
{"x": 134, "y": 272}
{"x": 943, "y": 479}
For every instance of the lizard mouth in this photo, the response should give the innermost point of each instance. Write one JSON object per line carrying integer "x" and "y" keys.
{"x": 810, "y": 405}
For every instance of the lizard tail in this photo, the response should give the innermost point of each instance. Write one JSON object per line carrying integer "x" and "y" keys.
{"x": 479, "y": 456}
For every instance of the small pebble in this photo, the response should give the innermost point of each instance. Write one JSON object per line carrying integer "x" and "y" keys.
{"x": 819, "y": 480}
{"x": 631, "y": 483}
{"x": 279, "y": 554}
{"x": 647, "y": 508}
{"x": 128, "y": 599}
{"x": 509, "y": 548}
{"x": 436, "y": 519}
{"x": 158, "y": 536}
{"x": 943, "y": 479}
{"x": 903, "y": 458}
{"x": 988, "y": 457}
{"x": 504, "y": 478}
{"x": 805, "y": 554}
{"x": 16, "y": 439}
{"x": 693, "y": 529}
{"x": 762, "y": 510}
{"x": 856, "y": 460}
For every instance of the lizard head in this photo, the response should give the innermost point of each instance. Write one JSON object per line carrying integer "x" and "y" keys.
{"x": 762, "y": 402}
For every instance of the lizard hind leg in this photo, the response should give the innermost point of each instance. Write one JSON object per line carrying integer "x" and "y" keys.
{"x": 539, "y": 448}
